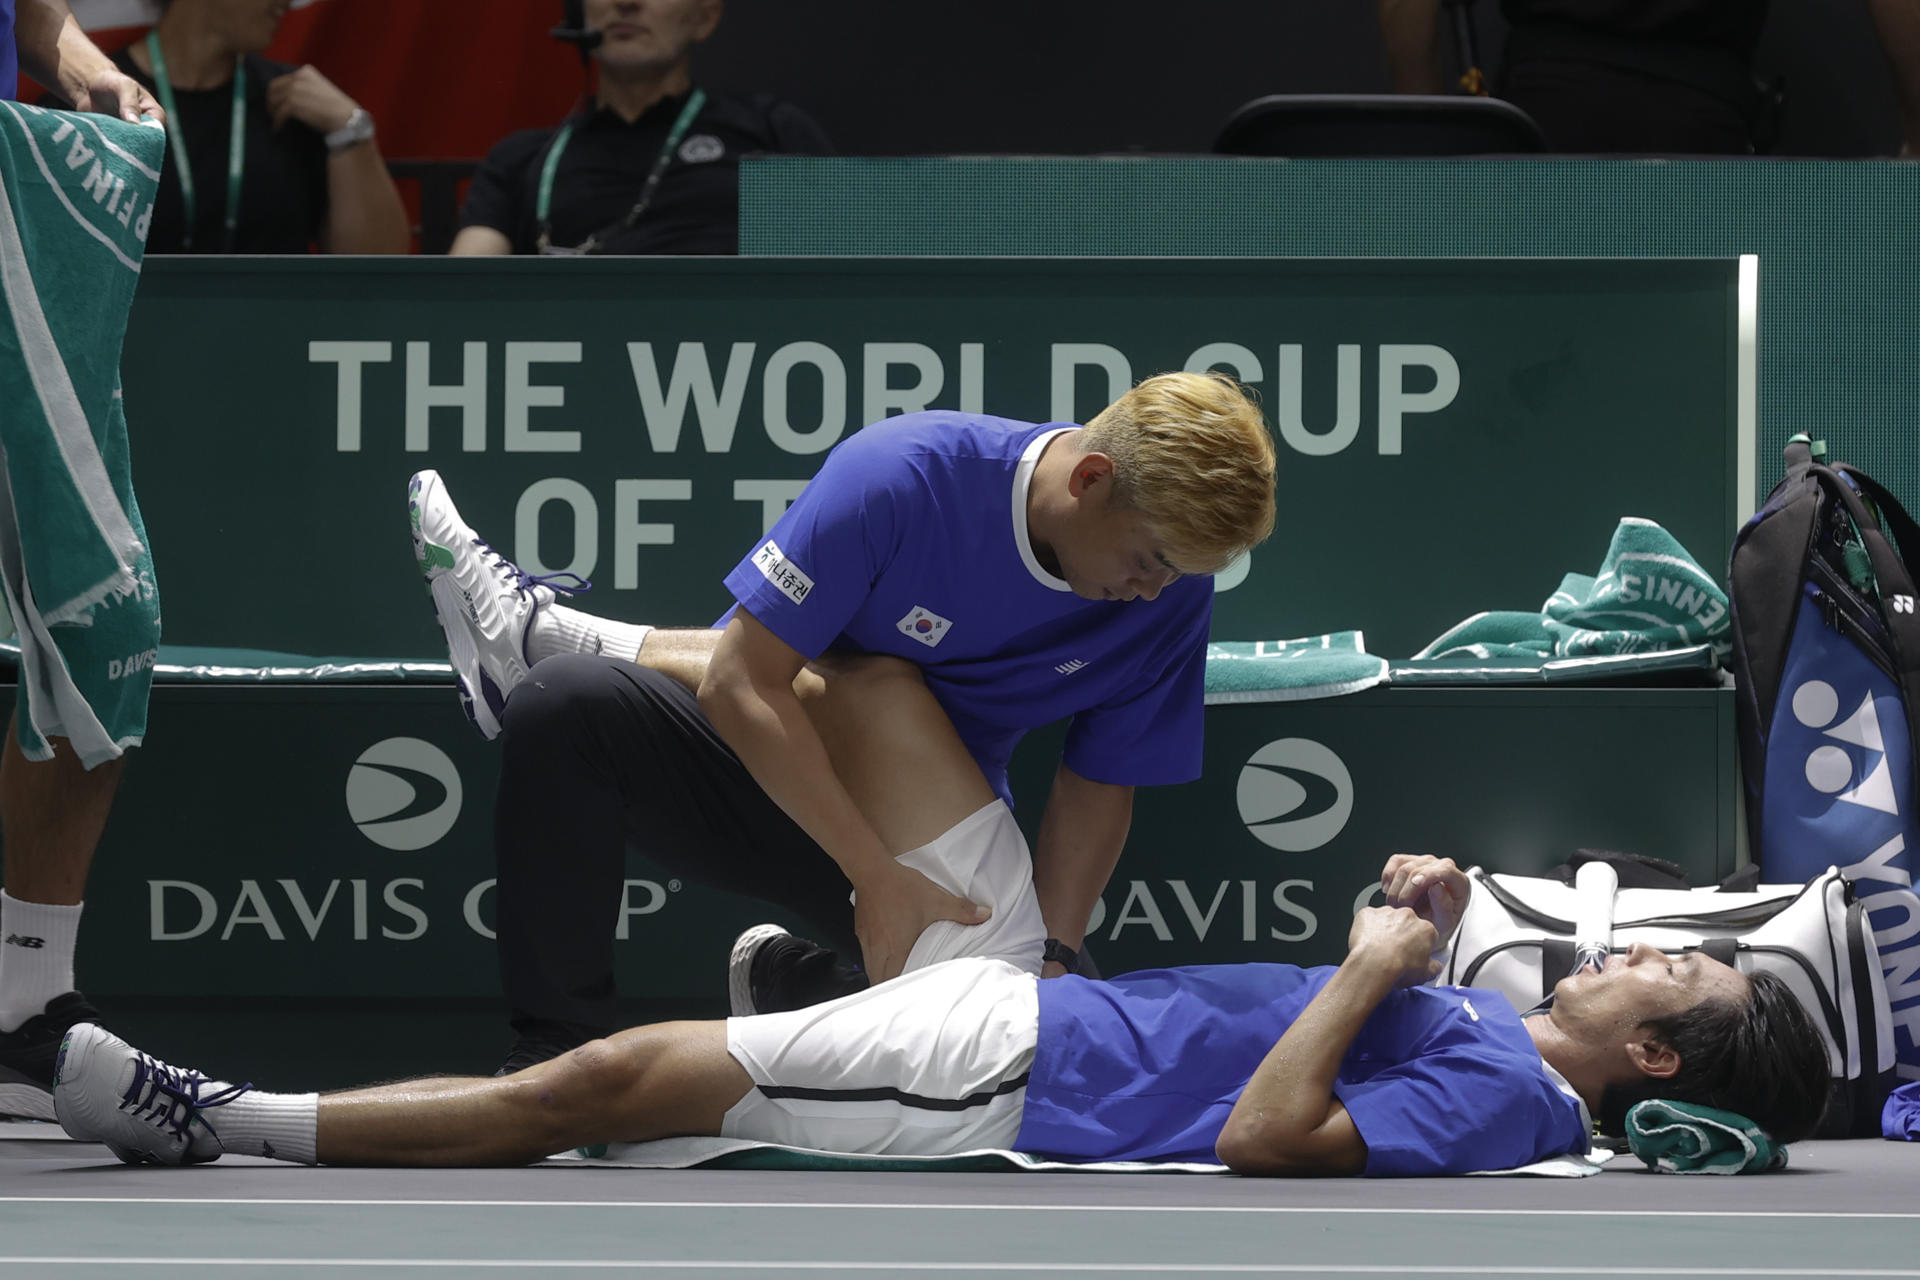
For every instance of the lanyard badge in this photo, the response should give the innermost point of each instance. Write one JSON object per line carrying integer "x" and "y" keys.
{"x": 543, "y": 204}
{"x": 177, "y": 140}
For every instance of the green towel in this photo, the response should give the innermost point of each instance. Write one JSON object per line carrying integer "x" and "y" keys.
{"x": 1680, "y": 1137}
{"x": 69, "y": 260}
{"x": 1649, "y": 596}
{"x": 76, "y": 195}
{"x": 1291, "y": 670}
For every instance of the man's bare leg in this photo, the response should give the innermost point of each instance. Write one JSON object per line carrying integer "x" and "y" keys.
{"x": 892, "y": 747}
{"x": 907, "y": 767}
{"x": 681, "y": 654}
{"x": 673, "y": 1079}
{"x": 52, "y": 813}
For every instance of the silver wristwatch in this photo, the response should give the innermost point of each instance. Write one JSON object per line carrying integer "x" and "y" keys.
{"x": 357, "y": 129}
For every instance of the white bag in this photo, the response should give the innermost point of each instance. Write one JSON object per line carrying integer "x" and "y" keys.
{"x": 1520, "y": 934}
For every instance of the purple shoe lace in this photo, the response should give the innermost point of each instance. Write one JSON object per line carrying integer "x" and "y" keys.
{"x": 524, "y": 581}
{"x": 171, "y": 1099}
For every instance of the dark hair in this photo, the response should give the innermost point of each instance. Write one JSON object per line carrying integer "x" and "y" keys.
{"x": 1761, "y": 1058}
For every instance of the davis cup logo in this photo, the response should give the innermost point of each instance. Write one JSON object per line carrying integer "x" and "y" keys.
{"x": 1295, "y": 795}
{"x": 403, "y": 794}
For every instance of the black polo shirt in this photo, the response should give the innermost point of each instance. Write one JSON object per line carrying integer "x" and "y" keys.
{"x": 283, "y": 184}
{"x": 695, "y": 209}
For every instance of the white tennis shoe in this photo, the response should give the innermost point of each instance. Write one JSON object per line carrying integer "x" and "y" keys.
{"x": 484, "y": 602}
{"x": 146, "y": 1112}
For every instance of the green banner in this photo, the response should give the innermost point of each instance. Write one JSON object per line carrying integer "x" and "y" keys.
{"x": 336, "y": 841}
{"x": 1455, "y": 435}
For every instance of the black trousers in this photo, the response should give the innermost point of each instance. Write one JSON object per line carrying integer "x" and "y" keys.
{"x": 599, "y": 753}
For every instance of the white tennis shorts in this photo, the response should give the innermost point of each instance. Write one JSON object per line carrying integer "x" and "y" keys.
{"x": 984, "y": 859}
{"x": 932, "y": 1063}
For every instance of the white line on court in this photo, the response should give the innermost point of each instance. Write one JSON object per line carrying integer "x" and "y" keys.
{"x": 897, "y": 1206}
{"x": 1102, "y": 1268}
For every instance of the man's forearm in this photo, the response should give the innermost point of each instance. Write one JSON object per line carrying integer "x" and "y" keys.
{"x": 54, "y": 51}
{"x": 364, "y": 213}
{"x": 1289, "y": 1101}
{"x": 1082, "y": 833}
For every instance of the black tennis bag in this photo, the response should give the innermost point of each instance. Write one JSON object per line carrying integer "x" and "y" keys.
{"x": 1826, "y": 656}
{"x": 1521, "y": 934}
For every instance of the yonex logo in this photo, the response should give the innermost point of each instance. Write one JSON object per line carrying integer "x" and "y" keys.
{"x": 403, "y": 794}
{"x": 1069, "y": 667}
{"x": 1295, "y": 795}
{"x": 1830, "y": 768}
{"x": 1903, "y": 604}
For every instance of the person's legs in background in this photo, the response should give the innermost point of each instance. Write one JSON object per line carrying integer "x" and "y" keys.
{"x": 52, "y": 813}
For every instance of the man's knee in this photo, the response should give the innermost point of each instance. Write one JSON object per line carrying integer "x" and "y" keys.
{"x": 564, "y": 1102}
{"x": 565, "y": 691}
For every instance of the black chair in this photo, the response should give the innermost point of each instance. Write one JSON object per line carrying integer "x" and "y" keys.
{"x": 439, "y": 197}
{"x": 1333, "y": 125}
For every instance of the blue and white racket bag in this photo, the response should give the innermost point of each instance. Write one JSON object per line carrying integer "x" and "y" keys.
{"x": 1826, "y": 655}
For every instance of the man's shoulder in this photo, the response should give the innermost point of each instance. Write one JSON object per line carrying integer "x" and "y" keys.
{"x": 519, "y": 147}
{"x": 950, "y": 433}
{"x": 773, "y": 123}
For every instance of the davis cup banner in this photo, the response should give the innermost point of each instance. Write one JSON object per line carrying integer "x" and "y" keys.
{"x": 1454, "y": 436}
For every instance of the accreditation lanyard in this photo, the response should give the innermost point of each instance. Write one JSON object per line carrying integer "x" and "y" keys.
{"x": 177, "y": 139}
{"x": 543, "y": 205}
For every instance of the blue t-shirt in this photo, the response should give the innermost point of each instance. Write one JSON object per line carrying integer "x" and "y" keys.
{"x": 9, "y": 53}
{"x": 912, "y": 540}
{"x": 1148, "y": 1065}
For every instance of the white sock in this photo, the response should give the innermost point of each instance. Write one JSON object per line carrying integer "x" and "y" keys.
{"x": 36, "y": 956}
{"x": 279, "y": 1126}
{"x": 557, "y": 629}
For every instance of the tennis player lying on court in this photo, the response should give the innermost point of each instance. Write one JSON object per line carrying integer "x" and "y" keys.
{"x": 1273, "y": 1068}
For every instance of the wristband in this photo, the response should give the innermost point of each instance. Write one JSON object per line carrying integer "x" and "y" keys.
{"x": 357, "y": 129}
{"x": 1060, "y": 952}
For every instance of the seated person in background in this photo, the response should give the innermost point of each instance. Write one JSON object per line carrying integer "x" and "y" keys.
{"x": 1674, "y": 77}
{"x": 1276, "y": 1069}
{"x": 651, "y": 164}
{"x": 306, "y": 169}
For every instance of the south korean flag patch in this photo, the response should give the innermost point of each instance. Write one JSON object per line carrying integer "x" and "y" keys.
{"x": 924, "y": 625}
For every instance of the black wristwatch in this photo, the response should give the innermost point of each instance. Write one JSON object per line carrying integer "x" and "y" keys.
{"x": 1059, "y": 951}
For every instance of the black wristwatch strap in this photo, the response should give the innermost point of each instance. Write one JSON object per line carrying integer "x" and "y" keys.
{"x": 1059, "y": 951}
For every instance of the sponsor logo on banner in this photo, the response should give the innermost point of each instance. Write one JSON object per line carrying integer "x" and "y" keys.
{"x": 773, "y": 564}
{"x": 924, "y": 625}
{"x": 1836, "y": 786}
{"x": 1295, "y": 795}
{"x": 403, "y": 794}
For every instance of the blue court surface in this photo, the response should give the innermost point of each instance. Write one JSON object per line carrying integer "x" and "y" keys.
{"x": 70, "y": 1210}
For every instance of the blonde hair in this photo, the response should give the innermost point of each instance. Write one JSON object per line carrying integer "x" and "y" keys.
{"x": 1192, "y": 452}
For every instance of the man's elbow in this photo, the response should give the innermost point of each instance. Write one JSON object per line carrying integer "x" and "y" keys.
{"x": 1251, "y": 1152}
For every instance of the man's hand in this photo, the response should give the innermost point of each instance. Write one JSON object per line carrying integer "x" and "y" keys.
{"x": 111, "y": 92}
{"x": 63, "y": 58}
{"x": 890, "y": 916}
{"x": 309, "y": 97}
{"x": 1432, "y": 888}
{"x": 1395, "y": 941}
